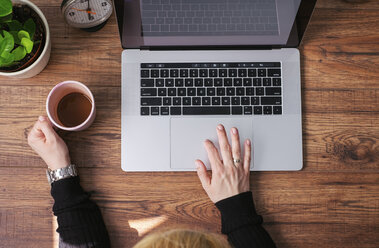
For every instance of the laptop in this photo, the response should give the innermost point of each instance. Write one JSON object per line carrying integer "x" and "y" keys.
{"x": 189, "y": 65}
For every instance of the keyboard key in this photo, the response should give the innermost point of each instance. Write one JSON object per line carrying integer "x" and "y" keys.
{"x": 199, "y": 82}
{"x": 261, "y": 72}
{"x": 242, "y": 72}
{"x": 274, "y": 72}
{"x": 273, "y": 91}
{"x": 188, "y": 82}
{"x": 237, "y": 82}
{"x": 236, "y": 101}
{"x": 208, "y": 82}
{"x": 245, "y": 100}
{"x": 174, "y": 73}
{"x": 159, "y": 82}
{"x": 277, "y": 110}
{"x": 154, "y": 73}
{"x": 252, "y": 72}
{"x": 247, "y": 82}
{"x": 271, "y": 100}
{"x": 216, "y": 101}
{"x": 147, "y": 83}
{"x": 228, "y": 82}
{"x": 194, "y": 73}
{"x": 145, "y": 110}
{"x": 259, "y": 91}
{"x": 257, "y": 110}
{"x": 187, "y": 101}
{"x": 237, "y": 110}
{"x": 154, "y": 110}
{"x": 267, "y": 110}
{"x": 176, "y": 101}
{"x": 169, "y": 82}
{"x": 257, "y": 81}
{"x": 232, "y": 72}
{"x": 211, "y": 92}
{"x": 183, "y": 73}
{"x": 196, "y": 101}
{"x": 247, "y": 110}
{"x": 179, "y": 82}
{"x": 225, "y": 100}
{"x": 175, "y": 110}
{"x": 266, "y": 81}
{"x": 223, "y": 72}
{"x": 213, "y": 73}
{"x": 162, "y": 92}
{"x": 206, "y": 110}
{"x": 191, "y": 92}
{"x": 206, "y": 101}
{"x": 166, "y": 101}
{"x": 217, "y": 82}
{"x": 151, "y": 101}
{"x": 250, "y": 91}
{"x": 145, "y": 73}
{"x": 148, "y": 91}
{"x": 182, "y": 92}
{"x": 164, "y": 73}
{"x": 276, "y": 82}
{"x": 201, "y": 91}
{"x": 230, "y": 91}
{"x": 203, "y": 72}
{"x": 254, "y": 100}
{"x": 240, "y": 91}
{"x": 220, "y": 91}
{"x": 165, "y": 110}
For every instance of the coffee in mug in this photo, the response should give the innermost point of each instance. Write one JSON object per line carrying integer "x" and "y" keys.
{"x": 70, "y": 106}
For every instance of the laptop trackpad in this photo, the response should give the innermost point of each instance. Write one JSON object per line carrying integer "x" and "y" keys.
{"x": 188, "y": 135}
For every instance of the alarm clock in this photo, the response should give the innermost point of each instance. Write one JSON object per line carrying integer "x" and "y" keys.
{"x": 90, "y": 15}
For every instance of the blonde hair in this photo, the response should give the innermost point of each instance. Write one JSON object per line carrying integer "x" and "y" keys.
{"x": 183, "y": 238}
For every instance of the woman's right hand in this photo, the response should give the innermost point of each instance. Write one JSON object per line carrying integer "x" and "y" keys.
{"x": 48, "y": 145}
{"x": 229, "y": 177}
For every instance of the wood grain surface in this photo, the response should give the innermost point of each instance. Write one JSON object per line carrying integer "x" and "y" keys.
{"x": 332, "y": 202}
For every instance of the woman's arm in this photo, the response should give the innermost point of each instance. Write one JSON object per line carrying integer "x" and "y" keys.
{"x": 229, "y": 188}
{"x": 241, "y": 223}
{"x": 80, "y": 223}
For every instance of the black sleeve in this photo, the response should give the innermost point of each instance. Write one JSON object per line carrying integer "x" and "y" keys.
{"x": 80, "y": 223}
{"x": 242, "y": 224}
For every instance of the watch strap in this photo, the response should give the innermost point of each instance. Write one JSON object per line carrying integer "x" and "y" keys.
{"x": 61, "y": 173}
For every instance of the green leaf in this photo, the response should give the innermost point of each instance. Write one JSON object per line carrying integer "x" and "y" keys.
{"x": 14, "y": 25}
{"x": 7, "y": 44}
{"x": 19, "y": 53}
{"x": 30, "y": 27}
{"x": 5, "y": 7}
{"x": 1, "y": 38}
{"x": 6, "y": 59}
{"x": 23, "y": 34}
{"x": 5, "y": 19}
{"x": 15, "y": 37}
{"x": 28, "y": 44}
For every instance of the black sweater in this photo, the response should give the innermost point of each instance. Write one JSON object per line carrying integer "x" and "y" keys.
{"x": 80, "y": 223}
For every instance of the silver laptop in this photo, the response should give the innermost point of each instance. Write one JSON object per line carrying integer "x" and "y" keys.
{"x": 189, "y": 65}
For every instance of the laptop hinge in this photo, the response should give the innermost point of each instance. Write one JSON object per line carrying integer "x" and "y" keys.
{"x": 184, "y": 48}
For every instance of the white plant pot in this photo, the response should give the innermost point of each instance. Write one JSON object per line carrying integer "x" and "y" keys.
{"x": 43, "y": 58}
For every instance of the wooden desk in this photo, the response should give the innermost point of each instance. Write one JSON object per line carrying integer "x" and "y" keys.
{"x": 332, "y": 202}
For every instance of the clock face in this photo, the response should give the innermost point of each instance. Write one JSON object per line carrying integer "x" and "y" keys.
{"x": 87, "y": 13}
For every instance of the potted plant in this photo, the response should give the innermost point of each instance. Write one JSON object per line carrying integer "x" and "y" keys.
{"x": 24, "y": 39}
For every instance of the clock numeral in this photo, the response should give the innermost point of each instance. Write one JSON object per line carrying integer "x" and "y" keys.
{"x": 91, "y": 17}
{"x": 104, "y": 4}
{"x": 71, "y": 13}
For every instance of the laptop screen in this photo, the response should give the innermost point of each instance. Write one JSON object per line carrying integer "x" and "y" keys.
{"x": 212, "y": 23}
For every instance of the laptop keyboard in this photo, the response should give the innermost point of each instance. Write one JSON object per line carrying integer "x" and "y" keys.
{"x": 209, "y": 17}
{"x": 211, "y": 88}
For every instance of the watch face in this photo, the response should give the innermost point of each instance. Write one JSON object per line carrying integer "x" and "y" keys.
{"x": 86, "y": 13}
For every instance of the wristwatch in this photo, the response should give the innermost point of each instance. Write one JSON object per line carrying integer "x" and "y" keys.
{"x": 58, "y": 174}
